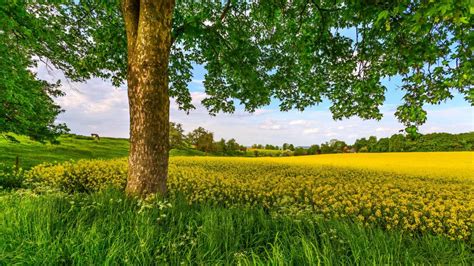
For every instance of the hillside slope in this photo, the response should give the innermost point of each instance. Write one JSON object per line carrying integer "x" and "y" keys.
{"x": 71, "y": 147}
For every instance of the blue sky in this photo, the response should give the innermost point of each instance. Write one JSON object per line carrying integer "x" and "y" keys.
{"x": 97, "y": 107}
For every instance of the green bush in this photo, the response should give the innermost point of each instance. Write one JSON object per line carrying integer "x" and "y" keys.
{"x": 81, "y": 176}
{"x": 11, "y": 177}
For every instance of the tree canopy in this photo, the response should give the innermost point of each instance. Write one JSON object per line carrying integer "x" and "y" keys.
{"x": 26, "y": 103}
{"x": 297, "y": 52}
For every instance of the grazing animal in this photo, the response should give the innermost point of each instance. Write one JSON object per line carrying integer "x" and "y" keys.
{"x": 95, "y": 136}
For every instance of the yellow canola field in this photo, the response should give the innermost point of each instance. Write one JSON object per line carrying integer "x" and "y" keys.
{"x": 430, "y": 164}
{"x": 412, "y": 192}
{"x": 350, "y": 186}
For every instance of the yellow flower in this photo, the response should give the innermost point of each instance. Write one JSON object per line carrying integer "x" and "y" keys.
{"x": 429, "y": 192}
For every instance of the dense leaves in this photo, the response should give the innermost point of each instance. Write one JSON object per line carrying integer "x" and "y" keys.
{"x": 299, "y": 53}
{"x": 305, "y": 51}
{"x": 26, "y": 103}
{"x": 428, "y": 142}
{"x": 176, "y": 136}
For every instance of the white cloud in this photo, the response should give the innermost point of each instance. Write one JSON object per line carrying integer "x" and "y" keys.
{"x": 262, "y": 111}
{"x": 271, "y": 125}
{"x": 115, "y": 99}
{"x": 197, "y": 97}
{"x": 311, "y": 131}
{"x": 197, "y": 81}
{"x": 73, "y": 99}
{"x": 300, "y": 122}
{"x": 382, "y": 129}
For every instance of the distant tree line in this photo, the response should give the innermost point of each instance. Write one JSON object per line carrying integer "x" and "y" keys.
{"x": 203, "y": 140}
{"x": 428, "y": 142}
{"x": 395, "y": 143}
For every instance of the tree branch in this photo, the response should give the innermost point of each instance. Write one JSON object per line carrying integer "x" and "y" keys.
{"x": 224, "y": 12}
{"x": 300, "y": 20}
{"x": 180, "y": 30}
{"x": 177, "y": 33}
{"x": 321, "y": 9}
{"x": 131, "y": 12}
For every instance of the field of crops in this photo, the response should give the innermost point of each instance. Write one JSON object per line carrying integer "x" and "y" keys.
{"x": 404, "y": 191}
{"x": 390, "y": 198}
{"x": 428, "y": 164}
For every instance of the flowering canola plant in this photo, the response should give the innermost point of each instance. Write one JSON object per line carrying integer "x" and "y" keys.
{"x": 386, "y": 195}
{"x": 429, "y": 164}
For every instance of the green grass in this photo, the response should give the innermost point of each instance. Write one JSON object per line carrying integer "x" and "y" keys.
{"x": 75, "y": 147}
{"x": 107, "y": 228}
{"x": 71, "y": 147}
{"x": 262, "y": 152}
{"x": 186, "y": 152}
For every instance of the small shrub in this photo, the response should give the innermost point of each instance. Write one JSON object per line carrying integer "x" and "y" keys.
{"x": 11, "y": 177}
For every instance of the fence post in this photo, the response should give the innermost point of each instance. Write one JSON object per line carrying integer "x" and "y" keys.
{"x": 17, "y": 163}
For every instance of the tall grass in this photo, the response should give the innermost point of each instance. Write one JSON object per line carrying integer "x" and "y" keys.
{"x": 108, "y": 228}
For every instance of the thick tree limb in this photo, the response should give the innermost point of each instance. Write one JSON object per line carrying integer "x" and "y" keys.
{"x": 131, "y": 12}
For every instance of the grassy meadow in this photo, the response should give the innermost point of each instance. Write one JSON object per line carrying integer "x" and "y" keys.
{"x": 70, "y": 147}
{"x": 377, "y": 208}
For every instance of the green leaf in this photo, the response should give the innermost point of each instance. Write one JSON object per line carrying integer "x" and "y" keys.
{"x": 382, "y": 15}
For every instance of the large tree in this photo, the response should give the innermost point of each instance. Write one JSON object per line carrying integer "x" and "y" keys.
{"x": 202, "y": 139}
{"x": 298, "y": 52}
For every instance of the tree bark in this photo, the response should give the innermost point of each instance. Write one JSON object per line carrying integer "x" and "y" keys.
{"x": 148, "y": 26}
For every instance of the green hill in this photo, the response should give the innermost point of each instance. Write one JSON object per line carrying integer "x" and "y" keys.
{"x": 71, "y": 147}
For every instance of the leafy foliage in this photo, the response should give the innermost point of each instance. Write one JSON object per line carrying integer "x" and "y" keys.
{"x": 202, "y": 139}
{"x": 428, "y": 142}
{"x": 11, "y": 177}
{"x": 176, "y": 136}
{"x": 298, "y": 53}
{"x": 26, "y": 103}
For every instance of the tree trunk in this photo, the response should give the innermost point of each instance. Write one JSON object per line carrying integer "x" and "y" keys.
{"x": 148, "y": 27}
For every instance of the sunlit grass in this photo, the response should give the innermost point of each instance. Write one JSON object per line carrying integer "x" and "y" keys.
{"x": 107, "y": 228}
{"x": 71, "y": 147}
